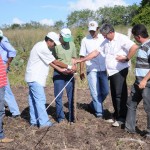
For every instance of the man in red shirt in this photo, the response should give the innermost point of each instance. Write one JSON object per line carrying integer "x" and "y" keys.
{"x": 3, "y": 83}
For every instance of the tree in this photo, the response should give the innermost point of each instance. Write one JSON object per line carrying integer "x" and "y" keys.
{"x": 143, "y": 16}
{"x": 80, "y": 18}
{"x": 59, "y": 24}
{"x": 143, "y": 13}
{"x": 144, "y": 3}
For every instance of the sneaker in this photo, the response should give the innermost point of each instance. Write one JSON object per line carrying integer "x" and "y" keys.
{"x": 6, "y": 140}
{"x": 71, "y": 123}
{"x": 46, "y": 126}
{"x": 116, "y": 124}
{"x": 109, "y": 120}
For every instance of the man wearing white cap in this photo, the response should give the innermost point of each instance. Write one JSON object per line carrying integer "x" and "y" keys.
{"x": 8, "y": 53}
{"x": 95, "y": 68}
{"x": 65, "y": 53}
{"x": 36, "y": 74}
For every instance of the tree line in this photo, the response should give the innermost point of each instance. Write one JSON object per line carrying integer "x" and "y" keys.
{"x": 117, "y": 15}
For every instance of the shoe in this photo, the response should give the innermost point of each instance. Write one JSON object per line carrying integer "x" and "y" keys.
{"x": 147, "y": 135}
{"x": 16, "y": 116}
{"x": 71, "y": 123}
{"x": 47, "y": 126}
{"x": 6, "y": 140}
{"x": 61, "y": 121}
{"x": 109, "y": 120}
{"x": 33, "y": 125}
{"x": 129, "y": 131}
{"x": 99, "y": 116}
{"x": 116, "y": 124}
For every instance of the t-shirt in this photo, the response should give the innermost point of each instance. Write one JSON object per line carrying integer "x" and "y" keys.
{"x": 120, "y": 45}
{"x": 89, "y": 44}
{"x": 143, "y": 62}
{"x": 65, "y": 53}
{"x": 38, "y": 64}
{"x": 3, "y": 78}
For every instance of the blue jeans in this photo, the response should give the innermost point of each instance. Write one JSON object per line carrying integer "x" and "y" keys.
{"x": 99, "y": 88}
{"x": 60, "y": 81}
{"x": 2, "y": 112}
{"x": 134, "y": 99}
{"x": 37, "y": 100}
{"x": 10, "y": 100}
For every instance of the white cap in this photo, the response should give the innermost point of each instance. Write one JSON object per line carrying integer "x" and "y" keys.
{"x": 66, "y": 34}
{"x": 93, "y": 25}
{"x": 1, "y": 33}
{"x": 54, "y": 36}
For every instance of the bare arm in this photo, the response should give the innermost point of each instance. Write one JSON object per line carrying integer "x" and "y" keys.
{"x": 132, "y": 51}
{"x": 60, "y": 64}
{"x": 82, "y": 75}
{"x": 9, "y": 62}
{"x": 57, "y": 68}
{"x": 144, "y": 81}
{"x": 88, "y": 57}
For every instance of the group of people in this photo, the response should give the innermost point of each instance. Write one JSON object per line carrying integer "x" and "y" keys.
{"x": 106, "y": 55}
{"x": 115, "y": 51}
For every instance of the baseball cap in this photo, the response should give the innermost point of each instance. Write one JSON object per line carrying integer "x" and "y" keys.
{"x": 93, "y": 25}
{"x": 66, "y": 34}
{"x": 1, "y": 33}
{"x": 54, "y": 36}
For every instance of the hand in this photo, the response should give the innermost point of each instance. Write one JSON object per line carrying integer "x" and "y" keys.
{"x": 121, "y": 58}
{"x": 82, "y": 76}
{"x": 63, "y": 70}
{"x": 142, "y": 84}
{"x": 74, "y": 68}
{"x": 78, "y": 60}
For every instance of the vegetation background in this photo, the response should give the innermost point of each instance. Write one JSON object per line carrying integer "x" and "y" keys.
{"x": 23, "y": 37}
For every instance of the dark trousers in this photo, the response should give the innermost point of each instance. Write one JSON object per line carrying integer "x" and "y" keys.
{"x": 134, "y": 99}
{"x": 119, "y": 93}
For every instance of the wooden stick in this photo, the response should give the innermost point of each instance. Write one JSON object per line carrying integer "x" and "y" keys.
{"x": 75, "y": 98}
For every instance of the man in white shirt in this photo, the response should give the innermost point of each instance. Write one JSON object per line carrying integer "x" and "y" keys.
{"x": 95, "y": 68}
{"x": 118, "y": 49}
{"x": 36, "y": 74}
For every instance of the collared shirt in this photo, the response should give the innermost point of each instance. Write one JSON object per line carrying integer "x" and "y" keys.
{"x": 6, "y": 49}
{"x": 143, "y": 62}
{"x": 3, "y": 78}
{"x": 38, "y": 63}
{"x": 120, "y": 45}
{"x": 65, "y": 53}
{"x": 89, "y": 44}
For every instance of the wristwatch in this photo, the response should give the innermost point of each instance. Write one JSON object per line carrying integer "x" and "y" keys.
{"x": 69, "y": 67}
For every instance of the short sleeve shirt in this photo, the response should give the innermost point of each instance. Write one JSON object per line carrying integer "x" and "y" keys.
{"x": 38, "y": 63}
{"x": 120, "y": 45}
{"x": 89, "y": 44}
{"x": 65, "y": 54}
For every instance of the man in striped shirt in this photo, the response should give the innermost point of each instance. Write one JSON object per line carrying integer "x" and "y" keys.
{"x": 3, "y": 82}
{"x": 141, "y": 87}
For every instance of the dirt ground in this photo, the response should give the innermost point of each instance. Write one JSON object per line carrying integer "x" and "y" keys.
{"x": 88, "y": 133}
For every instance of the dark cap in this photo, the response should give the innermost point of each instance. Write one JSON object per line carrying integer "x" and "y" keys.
{"x": 106, "y": 28}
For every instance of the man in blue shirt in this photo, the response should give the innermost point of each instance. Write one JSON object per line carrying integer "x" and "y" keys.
{"x": 8, "y": 53}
